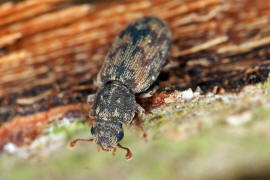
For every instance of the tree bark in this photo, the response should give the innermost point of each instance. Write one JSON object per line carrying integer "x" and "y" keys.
{"x": 50, "y": 51}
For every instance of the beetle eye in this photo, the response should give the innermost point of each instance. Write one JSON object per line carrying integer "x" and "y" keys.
{"x": 93, "y": 130}
{"x": 120, "y": 136}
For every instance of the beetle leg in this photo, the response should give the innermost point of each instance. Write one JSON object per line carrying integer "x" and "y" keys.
{"x": 128, "y": 153}
{"x": 170, "y": 63}
{"x": 91, "y": 121}
{"x": 97, "y": 81}
{"x": 140, "y": 112}
{"x": 149, "y": 93}
{"x": 91, "y": 99}
{"x": 143, "y": 130}
{"x": 113, "y": 152}
{"x": 140, "y": 119}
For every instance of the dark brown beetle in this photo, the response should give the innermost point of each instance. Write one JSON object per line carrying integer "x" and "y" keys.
{"x": 132, "y": 64}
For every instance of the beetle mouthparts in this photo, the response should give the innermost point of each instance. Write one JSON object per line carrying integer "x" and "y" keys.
{"x": 128, "y": 154}
{"x": 73, "y": 143}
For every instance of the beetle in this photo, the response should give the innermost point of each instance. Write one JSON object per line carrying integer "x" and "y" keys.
{"x": 131, "y": 66}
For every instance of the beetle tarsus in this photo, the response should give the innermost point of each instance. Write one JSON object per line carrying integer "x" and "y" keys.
{"x": 113, "y": 152}
{"x": 144, "y": 136}
{"x": 128, "y": 154}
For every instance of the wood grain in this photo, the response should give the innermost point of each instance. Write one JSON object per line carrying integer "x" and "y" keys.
{"x": 50, "y": 51}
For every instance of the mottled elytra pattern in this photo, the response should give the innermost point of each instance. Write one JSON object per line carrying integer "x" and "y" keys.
{"x": 131, "y": 66}
{"x": 137, "y": 54}
{"x": 114, "y": 103}
{"x": 133, "y": 63}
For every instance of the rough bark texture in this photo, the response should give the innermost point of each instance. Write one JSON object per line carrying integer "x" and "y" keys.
{"x": 51, "y": 50}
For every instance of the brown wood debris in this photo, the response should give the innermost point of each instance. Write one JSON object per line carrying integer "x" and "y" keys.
{"x": 50, "y": 51}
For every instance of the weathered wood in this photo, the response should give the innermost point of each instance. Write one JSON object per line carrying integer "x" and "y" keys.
{"x": 51, "y": 50}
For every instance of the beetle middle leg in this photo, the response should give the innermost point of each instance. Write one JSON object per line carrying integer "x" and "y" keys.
{"x": 90, "y": 101}
{"x": 150, "y": 92}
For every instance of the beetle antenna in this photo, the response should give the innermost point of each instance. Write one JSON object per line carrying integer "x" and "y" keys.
{"x": 128, "y": 154}
{"x": 73, "y": 143}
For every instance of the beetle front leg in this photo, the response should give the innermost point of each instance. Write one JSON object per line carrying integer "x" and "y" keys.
{"x": 139, "y": 120}
{"x": 140, "y": 112}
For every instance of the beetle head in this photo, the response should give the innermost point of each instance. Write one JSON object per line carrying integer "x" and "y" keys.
{"x": 107, "y": 134}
